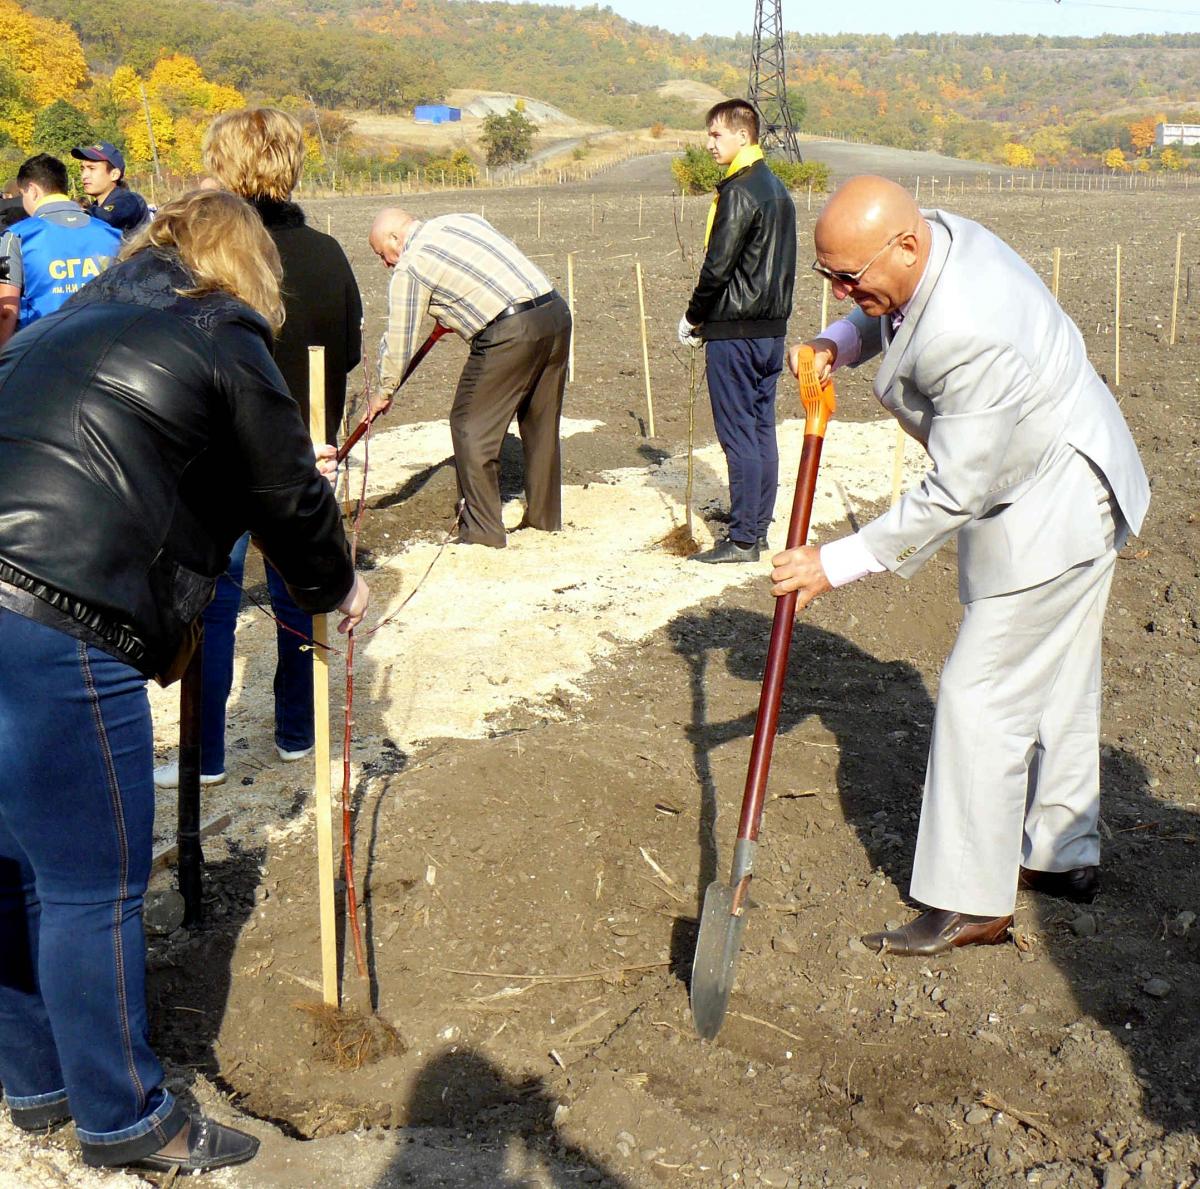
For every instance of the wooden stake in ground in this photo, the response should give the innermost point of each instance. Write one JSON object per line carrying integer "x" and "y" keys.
{"x": 645, "y": 350}
{"x": 1117, "y": 326}
{"x": 571, "y": 307}
{"x": 539, "y": 227}
{"x": 1056, "y": 272}
{"x": 824, "y": 302}
{"x": 321, "y": 791}
{"x": 1175, "y": 291}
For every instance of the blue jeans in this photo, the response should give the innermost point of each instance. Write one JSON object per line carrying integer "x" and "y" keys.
{"x": 293, "y": 669}
{"x": 76, "y": 815}
{"x": 742, "y": 374}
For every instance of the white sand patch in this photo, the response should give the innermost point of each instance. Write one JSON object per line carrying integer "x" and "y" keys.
{"x": 492, "y": 629}
{"x": 396, "y": 455}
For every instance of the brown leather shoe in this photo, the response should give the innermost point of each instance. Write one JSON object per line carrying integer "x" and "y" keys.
{"x": 938, "y": 930}
{"x": 1081, "y": 884}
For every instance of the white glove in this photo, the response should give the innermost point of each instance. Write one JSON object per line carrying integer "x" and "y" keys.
{"x": 687, "y": 334}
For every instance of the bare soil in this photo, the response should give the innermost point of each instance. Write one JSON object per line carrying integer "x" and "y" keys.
{"x": 530, "y": 893}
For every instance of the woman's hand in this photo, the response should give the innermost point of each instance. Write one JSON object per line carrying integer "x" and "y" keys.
{"x": 354, "y": 605}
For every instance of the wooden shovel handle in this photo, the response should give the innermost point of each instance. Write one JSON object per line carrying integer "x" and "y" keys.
{"x": 819, "y": 403}
{"x": 413, "y": 364}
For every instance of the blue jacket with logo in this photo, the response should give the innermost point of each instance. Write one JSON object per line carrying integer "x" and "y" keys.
{"x": 58, "y": 261}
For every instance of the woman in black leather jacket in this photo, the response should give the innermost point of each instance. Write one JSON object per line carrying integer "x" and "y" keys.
{"x": 143, "y": 429}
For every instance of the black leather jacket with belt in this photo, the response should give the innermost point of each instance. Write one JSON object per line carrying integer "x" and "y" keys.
{"x": 745, "y": 285}
{"x": 141, "y": 433}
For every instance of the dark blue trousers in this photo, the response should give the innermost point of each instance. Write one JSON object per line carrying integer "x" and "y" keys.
{"x": 742, "y": 374}
{"x": 76, "y": 813}
{"x": 293, "y": 670}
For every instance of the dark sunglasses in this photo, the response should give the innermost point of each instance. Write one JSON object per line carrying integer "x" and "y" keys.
{"x": 852, "y": 278}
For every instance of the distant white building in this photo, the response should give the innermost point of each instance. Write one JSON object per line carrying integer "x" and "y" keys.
{"x": 1180, "y": 134}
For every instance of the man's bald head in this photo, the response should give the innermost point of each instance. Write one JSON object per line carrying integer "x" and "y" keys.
{"x": 390, "y": 232}
{"x": 872, "y": 230}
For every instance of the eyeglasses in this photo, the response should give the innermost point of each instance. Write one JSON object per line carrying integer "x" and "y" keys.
{"x": 852, "y": 278}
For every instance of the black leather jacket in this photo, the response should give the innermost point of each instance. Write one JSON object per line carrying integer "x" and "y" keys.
{"x": 141, "y": 433}
{"x": 745, "y": 285}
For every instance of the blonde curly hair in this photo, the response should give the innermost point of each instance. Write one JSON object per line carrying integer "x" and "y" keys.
{"x": 222, "y": 242}
{"x": 256, "y": 152}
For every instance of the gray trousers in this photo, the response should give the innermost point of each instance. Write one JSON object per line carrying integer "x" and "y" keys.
{"x": 517, "y": 368}
{"x": 1014, "y": 762}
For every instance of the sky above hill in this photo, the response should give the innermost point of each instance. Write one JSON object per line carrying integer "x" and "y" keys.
{"x": 1084, "y": 18}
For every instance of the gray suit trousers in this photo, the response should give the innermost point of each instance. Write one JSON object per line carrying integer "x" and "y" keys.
{"x": 1013, "y": 776}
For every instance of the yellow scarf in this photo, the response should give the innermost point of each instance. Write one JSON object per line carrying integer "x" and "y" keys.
{"x": 745, "y": 156}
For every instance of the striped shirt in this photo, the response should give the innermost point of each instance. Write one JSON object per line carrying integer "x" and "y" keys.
{"x": 462, "y": 271}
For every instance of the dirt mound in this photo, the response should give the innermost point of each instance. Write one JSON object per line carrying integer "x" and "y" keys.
{"x": 689, "y": 90}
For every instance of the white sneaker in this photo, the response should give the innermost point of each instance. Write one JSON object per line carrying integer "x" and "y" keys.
{"x": 291, "y": 756}
{"x": 167, "y": 777}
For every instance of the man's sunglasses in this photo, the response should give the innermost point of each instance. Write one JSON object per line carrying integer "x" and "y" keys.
{"x": 852, "y": 278}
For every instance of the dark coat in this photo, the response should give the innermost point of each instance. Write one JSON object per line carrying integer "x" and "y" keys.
{"x": 323, "y": 308}
{"x": 141, "y": 433}
{"x": 745, "y": 285}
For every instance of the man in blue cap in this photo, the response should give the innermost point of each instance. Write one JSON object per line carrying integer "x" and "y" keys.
{"x": 102, "y": 168}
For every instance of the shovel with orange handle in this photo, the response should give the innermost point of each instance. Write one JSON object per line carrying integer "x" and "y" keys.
{"x": 723, "y": 919}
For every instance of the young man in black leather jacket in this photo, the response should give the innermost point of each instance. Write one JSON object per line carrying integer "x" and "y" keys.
{"x": 739, "y": 311}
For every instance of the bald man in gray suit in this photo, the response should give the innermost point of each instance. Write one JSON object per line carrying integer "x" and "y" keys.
{"x": 1036, "y": 475}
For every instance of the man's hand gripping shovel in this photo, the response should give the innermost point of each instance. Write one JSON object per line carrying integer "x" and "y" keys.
{"x": 724, "y": 917}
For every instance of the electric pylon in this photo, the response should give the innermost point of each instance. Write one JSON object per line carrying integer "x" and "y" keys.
{"x": 768, "y": 88}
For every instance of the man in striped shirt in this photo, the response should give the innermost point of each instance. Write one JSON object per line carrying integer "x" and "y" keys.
{"x": 470, "y": 278}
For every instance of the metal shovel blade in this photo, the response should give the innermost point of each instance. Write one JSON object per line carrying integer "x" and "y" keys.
{"x": 715, "y": 963}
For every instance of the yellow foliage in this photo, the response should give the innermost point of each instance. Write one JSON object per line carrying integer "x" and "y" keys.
{"x": 185, "y": 153}
{"x": 1114, "y": 159}
{"x": 180, "y": 83}
{"x": 45, "y": 55}
{"x": 1050, "y": 144}
{"x": 1018, "y": 156}
{"x": 1141, "y": 134}
{"x": 313, "y": 157}
{"x": 126, "y": 88}
{"x": 1171, "y": 159}
{"x": 1142, "y": 165}
{"x": 17, "y": 122}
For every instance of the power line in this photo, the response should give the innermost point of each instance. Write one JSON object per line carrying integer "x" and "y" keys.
{"x": 1174, "y": 12}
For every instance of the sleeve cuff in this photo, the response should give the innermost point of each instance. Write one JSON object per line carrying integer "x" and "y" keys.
{"x": 847, "y": 560}
{"x": 849, "y": 342}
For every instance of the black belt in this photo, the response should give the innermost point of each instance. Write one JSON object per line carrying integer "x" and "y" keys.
{"x": 519, "y": 307}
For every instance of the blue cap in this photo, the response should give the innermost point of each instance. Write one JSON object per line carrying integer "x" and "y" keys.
{"x": 104, "y": 151}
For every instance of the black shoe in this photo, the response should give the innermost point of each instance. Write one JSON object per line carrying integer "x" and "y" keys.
{"x": 210, "y": 1145}
{"x": 763, "y": 544}
{"x": 1081, "y": 884}
{"x": 728, "y": 551}
{"x": 40, "y": 1118}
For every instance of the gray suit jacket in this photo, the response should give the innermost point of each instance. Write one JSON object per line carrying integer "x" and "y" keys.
{"x": 989, "y": 374}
